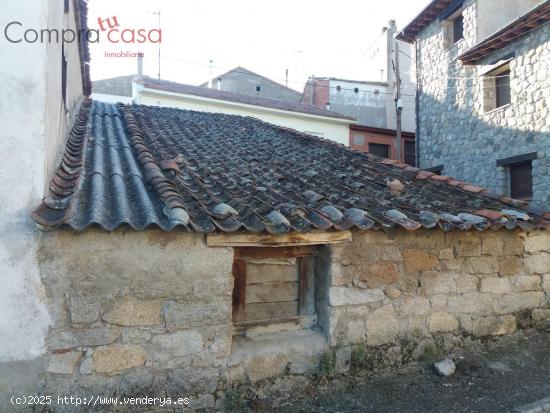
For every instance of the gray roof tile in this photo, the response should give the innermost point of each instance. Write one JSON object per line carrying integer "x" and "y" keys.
{"x": 148, "y": 166}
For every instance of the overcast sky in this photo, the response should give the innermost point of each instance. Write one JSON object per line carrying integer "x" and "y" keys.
{"x": 325, "y": 38}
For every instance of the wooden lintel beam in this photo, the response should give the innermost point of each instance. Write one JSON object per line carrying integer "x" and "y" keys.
{"x": 268, "y": 240}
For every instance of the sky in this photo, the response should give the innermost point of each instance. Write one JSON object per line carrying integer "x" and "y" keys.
{"x": 321, "y": 38}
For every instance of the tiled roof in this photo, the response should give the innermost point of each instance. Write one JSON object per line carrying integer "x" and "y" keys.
{"x": 424, "y": 19}
{"x": 182, "y": 88}
{"x": 149, "y": 166}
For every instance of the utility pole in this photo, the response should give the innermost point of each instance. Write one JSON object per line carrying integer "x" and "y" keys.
{"x": 158, "y": 13}
{"x": 286, "y": 77}
{"x": 398, "y": 103}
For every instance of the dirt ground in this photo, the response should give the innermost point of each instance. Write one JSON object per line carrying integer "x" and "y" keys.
{"x": 498, "y": 376}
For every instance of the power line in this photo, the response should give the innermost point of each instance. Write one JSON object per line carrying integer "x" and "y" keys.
{"x": 357, "y": 90}
{"x": 277, "y": 79}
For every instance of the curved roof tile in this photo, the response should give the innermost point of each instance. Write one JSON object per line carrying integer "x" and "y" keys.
{"x": 170, "y": 168}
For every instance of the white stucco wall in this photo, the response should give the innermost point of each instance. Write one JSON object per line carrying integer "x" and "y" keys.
{"x": 24, "y": 317}
{"x": 33, "y": 126}
{"x": 495, "y": 14}
{"x": 333, "y": 129}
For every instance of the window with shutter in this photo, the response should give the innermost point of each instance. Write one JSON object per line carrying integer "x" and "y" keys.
{"x": 410, "y": 153}
{"x": 379, "y": 149}
{"x": 458, "y": 28}
{"x": 452, "y": 26}
{"x": 496, "y": 87}
{"x": 521, "y": 181}
{"x": 502, "y": 85}
{"x": 273, "y": 286}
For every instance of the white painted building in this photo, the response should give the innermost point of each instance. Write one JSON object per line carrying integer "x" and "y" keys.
{"x": 302, "y": 117}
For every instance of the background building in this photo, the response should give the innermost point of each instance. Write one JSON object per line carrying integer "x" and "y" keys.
{"x": 372, "y": 102}
{"x": 245, "y": 82}
{"x": 484, "y": 92}
{"x": 114, "y": 89}
{"x": 296, "y": 115}
{"x": 381, "y": 142}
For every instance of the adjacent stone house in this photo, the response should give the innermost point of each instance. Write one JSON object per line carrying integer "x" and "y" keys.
{"x": 483, "y": 93}
{"x": 191, "y": 252}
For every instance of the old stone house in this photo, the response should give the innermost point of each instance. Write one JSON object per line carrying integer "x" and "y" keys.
{"x": 483, "y": 94}
{"x": 192, "y": 252}
{"x": 182, "y": 253}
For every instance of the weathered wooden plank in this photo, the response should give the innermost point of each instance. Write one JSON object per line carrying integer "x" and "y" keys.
{"x": 307, "y": 285}
{"x": 266, "y": 311}
{"x": 268, "y": 240}
{"x": 269, "y": 293}
{"x": 274, "y": 261}
{"x": 239, "y": 289}
{"x": 267, "y": 273}
{"x": 281, "y": 252}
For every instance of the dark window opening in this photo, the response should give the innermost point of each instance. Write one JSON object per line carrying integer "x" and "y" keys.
{"x": 66, "y": 6}
{"x": 356, "y": 90}
{"x": 410, "y": 153}
{"x": 458, "y": 28}
{"x": 258, "y": 88}
{"x": 338, "y": 88}
{"x": 502, "y": 82}
{"x": 379, "y": 150}
{"x": 521, "y": 181}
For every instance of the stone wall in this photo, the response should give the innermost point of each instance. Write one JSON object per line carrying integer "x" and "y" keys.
{"x": 453, "y": 129}
{"x": 410, "y": 286}
{"x": 137, "y": 313}
{"x": 150, "y": 313}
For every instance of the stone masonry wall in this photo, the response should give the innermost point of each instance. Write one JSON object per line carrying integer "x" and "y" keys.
{"x": 137, "y": 313}
{"x": 453, "y": 129}
{"x": 149, "y": 313}
{"x": 409, "y": 286}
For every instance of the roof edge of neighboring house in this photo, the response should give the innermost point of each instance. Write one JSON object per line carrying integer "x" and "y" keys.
{"x": 384, "y": 131}
{"x": 424, "y": 19}
{"x": 81, "y": 21}
{"x": 535, "y": 17}
{"x": 244, "y": 70}
{"x": 235, "y": 98}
